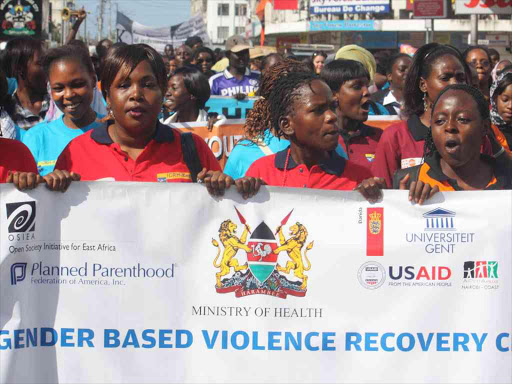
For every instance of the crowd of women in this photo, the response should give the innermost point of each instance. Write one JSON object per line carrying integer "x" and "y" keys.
{"x": 63, "y": 119}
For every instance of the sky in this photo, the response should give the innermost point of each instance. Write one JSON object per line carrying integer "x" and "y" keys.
{"x": 156, "y": 13}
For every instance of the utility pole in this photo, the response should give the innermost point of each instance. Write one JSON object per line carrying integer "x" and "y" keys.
{"x": 117, "y": 33}
{"x": 100, "y": 19}
{"x": 62, "y": 26}
{"x": 85, "y": 32}
{"x": 110, "y": 19}
{"x": 474, "y": 30}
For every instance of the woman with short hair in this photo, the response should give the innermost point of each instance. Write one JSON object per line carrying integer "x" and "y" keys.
{"x": 453, "y": 162}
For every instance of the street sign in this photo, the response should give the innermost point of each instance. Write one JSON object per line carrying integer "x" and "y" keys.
{"x": 486, "y": 7}
{"x": 498, "y": 39}
{"x": 430, "y": 9}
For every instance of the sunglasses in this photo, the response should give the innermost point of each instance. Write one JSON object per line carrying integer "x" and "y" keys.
{"x": 201, "y": 61}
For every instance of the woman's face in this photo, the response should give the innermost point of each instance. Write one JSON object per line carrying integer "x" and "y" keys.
{"x": 173, "y": 66}
{"x": 177, "y": 95}
{"x": 35, "y": 76}
{"x": 312, "y": 124}
{"x": 504, "y": 104}
{"x": 136, "y": 100}
{"x": 399, "y": 71}
{"x": 71, "y": 87}
{"x": 479, "y": 60}
{"x": 205, "y": 62}
{"x": 457, "y": 128}
{"x": 354, "y": 99}
{"x": 445, "y": 71}
{"x": 318, "y": 62}
{"x": 183, "y": 56}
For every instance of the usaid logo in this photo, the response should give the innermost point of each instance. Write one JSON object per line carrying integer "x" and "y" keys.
{"x": 18, "y": 272}
{"x": 21, "y": 217}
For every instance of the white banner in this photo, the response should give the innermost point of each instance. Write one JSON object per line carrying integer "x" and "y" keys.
{"x": 132, "y": 32}
{"x": 482, "y": 7}
{"x": 150, "y": 282}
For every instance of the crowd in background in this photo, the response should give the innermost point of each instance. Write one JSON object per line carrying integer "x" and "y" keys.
{"x": 68, "y": 115}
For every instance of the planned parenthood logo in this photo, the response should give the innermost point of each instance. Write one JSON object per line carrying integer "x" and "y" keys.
{"x": 21, "y": 217}
{"x": 18, "y": 273}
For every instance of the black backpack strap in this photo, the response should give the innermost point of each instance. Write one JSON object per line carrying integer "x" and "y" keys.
{"x": 190, "y": 155}
{"x": 414, "y": 173}
{"x": 391, "y": 109}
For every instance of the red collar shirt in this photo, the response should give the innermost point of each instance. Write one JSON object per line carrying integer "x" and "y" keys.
{"x": 94, "y": 156}
{"x": 360, "y": 147}
{"x": 15, "y": 156}
{"x": 335, "y": 173}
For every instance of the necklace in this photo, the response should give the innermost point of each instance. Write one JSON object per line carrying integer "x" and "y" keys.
{"x": 286, "y": 167}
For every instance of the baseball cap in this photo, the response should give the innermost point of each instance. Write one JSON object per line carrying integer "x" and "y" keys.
{"x": 256, "y": 52}
{"x": 237, "y": 43}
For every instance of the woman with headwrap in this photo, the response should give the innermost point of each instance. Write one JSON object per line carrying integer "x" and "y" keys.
{"x": 501, "y": 109}
{"x": 357, "y": 53}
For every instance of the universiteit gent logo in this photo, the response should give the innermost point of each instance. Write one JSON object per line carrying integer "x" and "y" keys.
{"x": 21, "y": 217}
{"x": 261, "y": 274}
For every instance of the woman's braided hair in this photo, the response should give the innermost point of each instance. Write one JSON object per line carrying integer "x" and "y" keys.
{"x": 477, "y": 96}
{"x": 284, "y": 92}
{"x": 258, "y": 119}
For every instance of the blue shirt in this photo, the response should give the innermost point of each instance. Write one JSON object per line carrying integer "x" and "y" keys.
{"x": 247, "y": 152}
{"x": 47, "y": 140}
{"x": 12, "y": 85}
{"x": 225, "y": 84}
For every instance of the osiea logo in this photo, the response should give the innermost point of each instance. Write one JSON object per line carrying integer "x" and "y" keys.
{"x": 21, "y": 217}
{"x": 424, "y": 273}
{"x": 481, "y": 270}
{"x": 18, "y": 272}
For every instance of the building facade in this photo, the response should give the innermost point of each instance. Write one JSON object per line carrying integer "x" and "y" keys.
{"x": 385, "y": 30}
{"x": 224, "y": 18}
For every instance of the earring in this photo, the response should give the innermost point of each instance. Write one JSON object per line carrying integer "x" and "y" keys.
{"x": 425, "y": 103}
{"x": 110, "y": 114}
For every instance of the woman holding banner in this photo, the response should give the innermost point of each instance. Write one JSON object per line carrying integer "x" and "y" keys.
{"x": 302, "y": 110}
{"x": 134, "y": 145}
{"x": 453, "y": 162}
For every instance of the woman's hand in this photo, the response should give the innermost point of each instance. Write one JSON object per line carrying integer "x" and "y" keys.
{"x": 217, "y": 182}
{"x": 418, "y": 191}
{"x": 213, "y": 117}
{"x": 240, "y": 96}
{"x": 248, "y": 186}
{"x": 24, "y": 180}
{"x": 60, "y": 180}
{"x": 371, "y": 188}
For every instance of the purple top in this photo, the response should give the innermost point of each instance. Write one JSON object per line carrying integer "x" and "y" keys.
{"x": 225, "y": 84}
